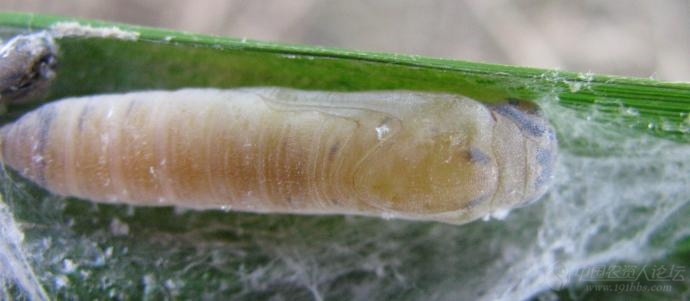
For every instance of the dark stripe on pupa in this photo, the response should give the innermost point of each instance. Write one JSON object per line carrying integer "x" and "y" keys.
{"x": 524, "y": 120}
{"x": 545, "y": 161}
{"x": 477, "y": 156}
{"x": 46, "y": 115}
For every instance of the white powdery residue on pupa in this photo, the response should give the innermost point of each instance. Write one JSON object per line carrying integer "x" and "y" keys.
{"x": 74, "y": 29}
{"x": 382, "y": 131}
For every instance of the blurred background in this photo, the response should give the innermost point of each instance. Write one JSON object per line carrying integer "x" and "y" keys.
{"x": 623, "y": 37}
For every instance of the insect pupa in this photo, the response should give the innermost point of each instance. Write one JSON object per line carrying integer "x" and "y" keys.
{"x": 411, "y": 155}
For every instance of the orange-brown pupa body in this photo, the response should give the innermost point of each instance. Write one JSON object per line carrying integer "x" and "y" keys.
{"x": 405, "y": 154}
